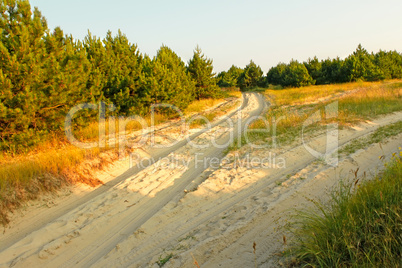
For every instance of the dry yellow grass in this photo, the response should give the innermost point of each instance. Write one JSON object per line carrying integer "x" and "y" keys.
{"x": 91, "y": 132}
{"x": 24, "y": 177}
{"x": 356, "y": 102}
{"x": 235, "y": 94}
{"x": 201, "y": 105}
{"x": 369, "y": 102}
{"x": 305, "y": 95}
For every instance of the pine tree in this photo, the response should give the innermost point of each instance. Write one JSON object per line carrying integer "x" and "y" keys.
{"x": 251, "y": 76}
{"x": 296, "y": 75}
{"x": 275, "y": 74}
{"x": 360, "y": 66}
{"x": 167, "y": 80}
{"x": 42, "y": 76}
{"x": 201, "y": 70}
{"x": 22, "y": 52}
{"x": 117, "y": 69}
{"x": 230, "y": 78}
{"x": 390, "y": 63}
{"x": 314, "y": 67}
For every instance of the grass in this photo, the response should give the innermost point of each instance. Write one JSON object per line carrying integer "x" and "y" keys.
{"x": 370, "y": 102}
{"x": 254, "y": 89}
{"x": 297, "y": 96}
{"x": 290, "y": 108}
{"x": 91, "y": 132}
{"x": 25, "y": 177}
{"x": 201, "y": 105}
{"x": 234, "y": 94}
{"x": 357, "y": 101}
{"x": 163, "y": 261}
{"x": 376, "y": 137}
{"x": 360, "y": 228}
{"x": 198, "y": 122}
{"x": 279, "y": 127}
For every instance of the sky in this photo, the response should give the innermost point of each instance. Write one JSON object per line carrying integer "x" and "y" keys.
{"x": 233, "y": 31}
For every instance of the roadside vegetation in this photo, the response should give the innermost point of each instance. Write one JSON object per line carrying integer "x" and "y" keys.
{"x": 291, "y": 107}
{"x": 25, "y": 177}
{"x": 376, "y": 137}
{"x": 201, "y": 105}
{"x": 360, "y": 227}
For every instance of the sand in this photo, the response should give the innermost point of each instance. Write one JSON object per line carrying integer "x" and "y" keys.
{"x": 212, "y": 214}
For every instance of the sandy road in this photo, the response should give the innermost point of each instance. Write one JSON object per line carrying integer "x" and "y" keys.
{"x": 68, "y": 240}
{"x": 185, "y": 209}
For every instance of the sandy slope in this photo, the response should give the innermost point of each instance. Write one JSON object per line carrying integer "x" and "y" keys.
{"x": 179, "y": 206}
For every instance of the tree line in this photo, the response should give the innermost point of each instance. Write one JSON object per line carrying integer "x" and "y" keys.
{"x": 44, "y": 73}
{"x": 359, "y": 66}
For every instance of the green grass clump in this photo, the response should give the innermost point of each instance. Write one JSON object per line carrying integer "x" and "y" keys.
{"x": 377, "y": 136}
{"x": 358, "y": 229}
{"x": 163, "y": 261}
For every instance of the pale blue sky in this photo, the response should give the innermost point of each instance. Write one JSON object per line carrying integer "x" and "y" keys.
{"x": 233, "y": 32}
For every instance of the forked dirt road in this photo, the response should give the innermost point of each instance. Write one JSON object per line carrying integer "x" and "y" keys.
{"x": 191, "y": 207}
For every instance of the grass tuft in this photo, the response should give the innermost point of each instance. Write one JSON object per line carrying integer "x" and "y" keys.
{"x": 163, "y": 261}
{"x": 377, "y": 136}
{"x": 360, "y": 228}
